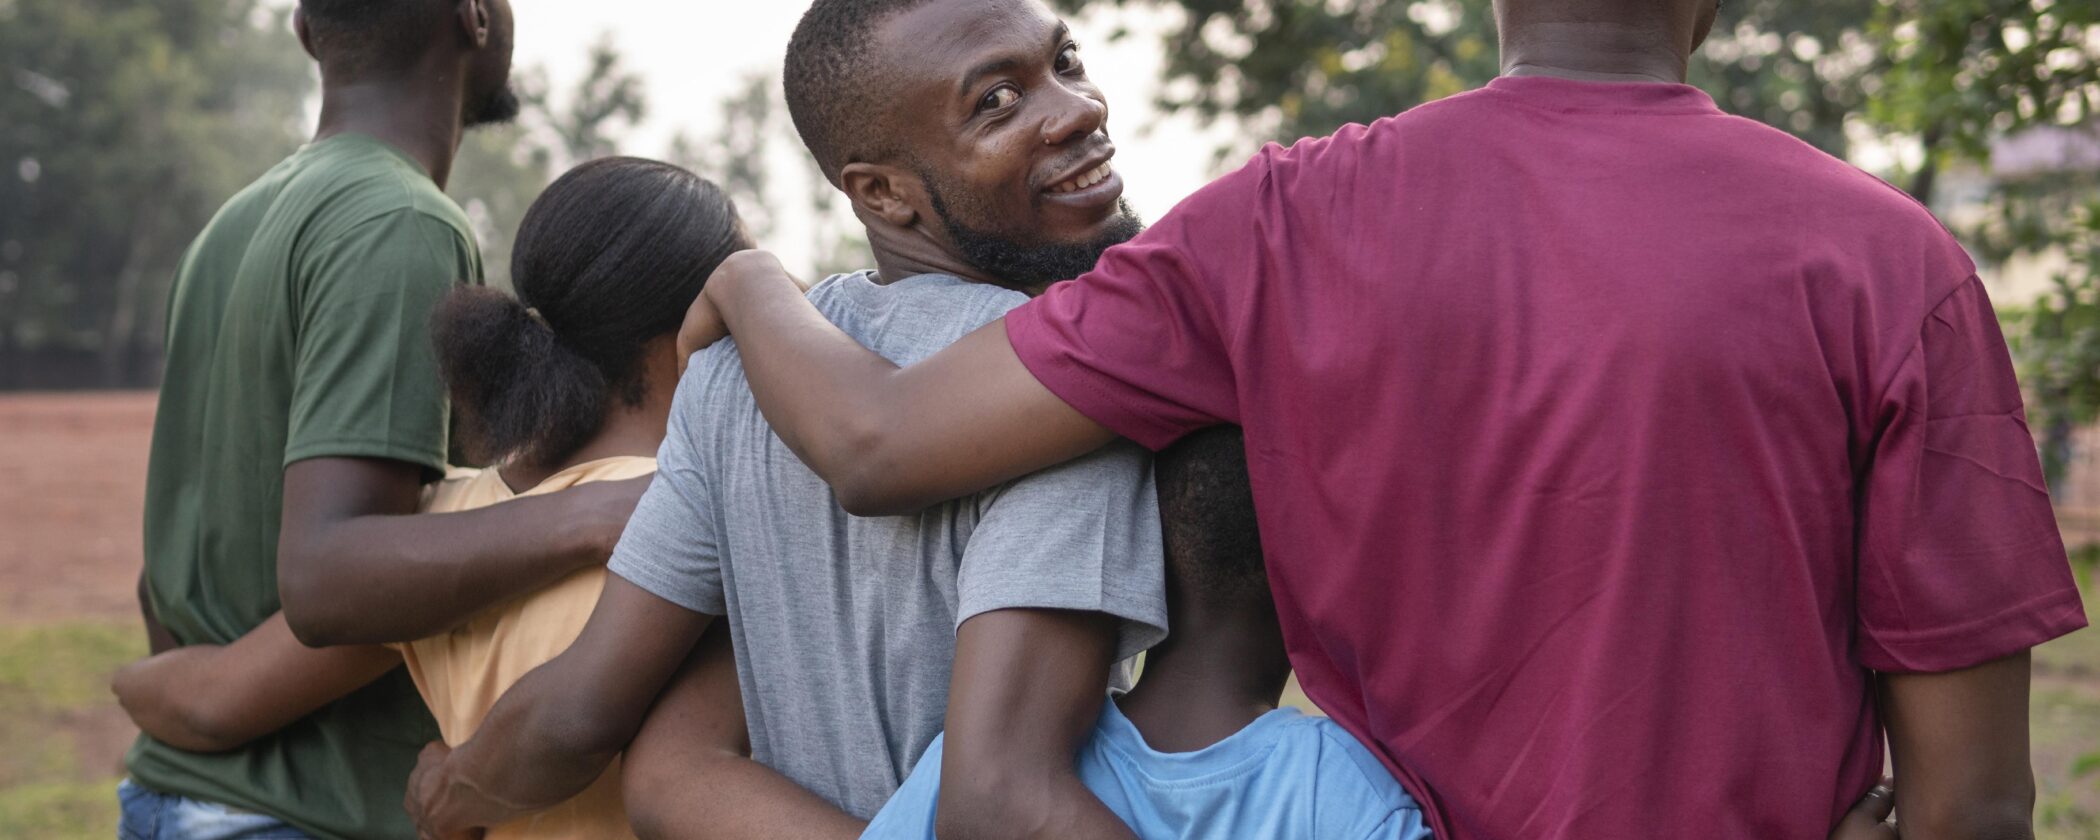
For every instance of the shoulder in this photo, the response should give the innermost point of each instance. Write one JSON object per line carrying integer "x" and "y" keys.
{"x": 1347, "y": 765}
{"x": 360, "y": 186}
{"x": 618, "y": 468}
{"x": 911, "y": 318}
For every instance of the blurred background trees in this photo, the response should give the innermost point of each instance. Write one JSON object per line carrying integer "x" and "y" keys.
{"x": 123, "y": 125}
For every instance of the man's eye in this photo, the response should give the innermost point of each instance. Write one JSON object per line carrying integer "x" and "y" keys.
{"x": 999, "y": 97}
{"x": 1068, "y": 59}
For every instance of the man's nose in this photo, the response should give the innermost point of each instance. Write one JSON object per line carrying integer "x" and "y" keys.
{"x": 1075, "y": 115}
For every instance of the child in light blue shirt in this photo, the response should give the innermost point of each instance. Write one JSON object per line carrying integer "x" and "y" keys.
{"x": 1199, "y": 750}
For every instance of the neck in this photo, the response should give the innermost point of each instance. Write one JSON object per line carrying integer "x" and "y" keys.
{"x": 909, "y": 252}
{"x": 628, "y": 430}
{"x": 1217, "y": 672}
{"x": 1594, "y": 51}
{"x": 418, "y": 113}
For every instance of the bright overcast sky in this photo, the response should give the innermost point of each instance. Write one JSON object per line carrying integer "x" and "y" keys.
{"x": 692, "y": 54}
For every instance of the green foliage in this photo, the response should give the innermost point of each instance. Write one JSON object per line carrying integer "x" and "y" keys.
{"x": 2056, "y": 341}
{"x": 610, "y": 101}
{"x": 1292, "y": 68}
{"x": 736, "y": 159}
{"x": 123, "y": 125}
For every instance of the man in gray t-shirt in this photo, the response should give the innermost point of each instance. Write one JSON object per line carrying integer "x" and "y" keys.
{"x": 974, "y": 150}
{"x": 844, "y": 627}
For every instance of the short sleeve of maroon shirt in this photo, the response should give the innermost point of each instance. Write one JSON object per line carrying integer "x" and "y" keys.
{"x": 1601, "y": 442}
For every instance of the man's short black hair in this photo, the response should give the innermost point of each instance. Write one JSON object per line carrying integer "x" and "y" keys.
{"x": 1206, "y": 513}
{"x": 367, "y": 35}
{"x": 831, "y": 81}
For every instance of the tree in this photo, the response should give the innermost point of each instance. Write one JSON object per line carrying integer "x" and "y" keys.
{"x": 122, "y": 127}
{"x": 738, "y": 159}
{"x": 1296, "y": 68}
{"x": 610, "y": 101}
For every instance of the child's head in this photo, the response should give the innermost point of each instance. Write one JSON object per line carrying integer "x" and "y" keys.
{"x": 1206, "y": 513}
{"x": 606, "y": 263}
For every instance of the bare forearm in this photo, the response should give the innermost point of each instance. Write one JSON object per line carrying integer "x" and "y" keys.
{"x": 537, "y": 748}
{"x": 373, "y": 579}
{"x": 821, "y": 391}
{"x": 208, "y": 698}
{"x": 730, "y": 797}
{"x": 891, "y": 440}
{"x": 161, "y": 697}
{"x": 1024, "y": 697}
{"x": 558, "y": 728}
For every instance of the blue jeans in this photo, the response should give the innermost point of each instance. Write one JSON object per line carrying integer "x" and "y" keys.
{"x": 150, "y": 815}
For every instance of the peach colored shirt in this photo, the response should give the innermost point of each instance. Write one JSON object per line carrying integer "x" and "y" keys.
{"x": 461, "y": 673}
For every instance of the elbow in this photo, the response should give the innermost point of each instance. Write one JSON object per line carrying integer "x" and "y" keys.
{"x": 313, "y": 604}
{"x": 867, "y": 497}
{"x": 861, "y": 472}
{"x": 187, "y": 722}
{"x": 647, "y": 792}
{"x": 993, "y": 799}
{"x": 309, "y": 614}
{"x": 302, "y": 597}
{"x": 203, "y": 731}
{"x": 2006, "y": 816}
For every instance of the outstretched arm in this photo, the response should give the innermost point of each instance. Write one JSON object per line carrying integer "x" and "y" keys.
{"x": 357, "y": 565}
{"x": 212, "y": 698}
{"x": 1025, "y": 695}
{"x": 558, "y": 728}
{"x": 888, "y": 440}
{"x": 1959, "y": 744}
{"x": 689, "y": 774}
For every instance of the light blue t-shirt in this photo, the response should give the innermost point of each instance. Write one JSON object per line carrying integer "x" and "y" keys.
{"x": 1286, "y": 775}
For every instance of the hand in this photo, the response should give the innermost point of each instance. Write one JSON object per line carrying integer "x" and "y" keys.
{"x": 703, "y": 321}
{"x": 602, "y": 509}
{"x": 702, "y": 328}
{"x": 427, "y": 798}
{"x": 1869, "y": 820}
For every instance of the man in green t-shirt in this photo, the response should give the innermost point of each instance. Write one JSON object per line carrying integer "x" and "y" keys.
{"x": 301, "y": 412}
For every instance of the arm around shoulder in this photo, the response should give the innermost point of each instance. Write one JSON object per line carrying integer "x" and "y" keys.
{"x": 890, "y": 440}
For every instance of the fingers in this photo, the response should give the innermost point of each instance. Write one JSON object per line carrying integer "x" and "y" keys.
{"x": 1868, "y": 820}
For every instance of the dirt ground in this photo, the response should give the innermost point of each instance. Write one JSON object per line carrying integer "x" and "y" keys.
{"x": 72, "y": 486}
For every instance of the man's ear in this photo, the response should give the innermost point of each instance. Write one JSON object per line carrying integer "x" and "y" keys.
{"x": 474, "y": 22}
{"x": 306, "y": 36}
{"x": 892, "y": 194}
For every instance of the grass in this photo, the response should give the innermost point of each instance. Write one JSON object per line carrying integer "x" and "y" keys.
{"x": 54, "y": 696}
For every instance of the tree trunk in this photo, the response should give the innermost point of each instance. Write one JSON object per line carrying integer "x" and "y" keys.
{"x": 120, "y": 332}
{"x": 1928, "y": 175}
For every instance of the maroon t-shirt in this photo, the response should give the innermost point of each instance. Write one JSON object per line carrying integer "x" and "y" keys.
{"x": 1602, "y": 442}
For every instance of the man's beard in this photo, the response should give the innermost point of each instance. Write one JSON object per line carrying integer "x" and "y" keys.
{"x": 1029, "y": 266}
{"x": 497, "y": 108}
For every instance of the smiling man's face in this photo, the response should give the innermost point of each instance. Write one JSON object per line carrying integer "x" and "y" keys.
{"x": 996, "y": 115}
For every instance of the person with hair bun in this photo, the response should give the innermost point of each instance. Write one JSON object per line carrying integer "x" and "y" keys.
{"x": 565, "y": 383}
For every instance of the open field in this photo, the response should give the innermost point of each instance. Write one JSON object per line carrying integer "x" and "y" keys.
{"x": 72, "y": 478}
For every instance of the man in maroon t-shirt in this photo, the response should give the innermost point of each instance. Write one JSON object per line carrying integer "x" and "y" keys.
{"x": 1611, "y": 452}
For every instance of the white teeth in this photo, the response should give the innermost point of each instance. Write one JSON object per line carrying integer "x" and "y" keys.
{"x": 1084, "y": 180}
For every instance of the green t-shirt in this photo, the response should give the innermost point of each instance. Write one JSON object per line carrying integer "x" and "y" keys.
{"x": 297, "y": 328}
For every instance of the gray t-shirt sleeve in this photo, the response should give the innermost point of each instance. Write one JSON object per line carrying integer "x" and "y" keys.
{"x": 1083, "y": 535}
{"x": 672, "y": 545}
